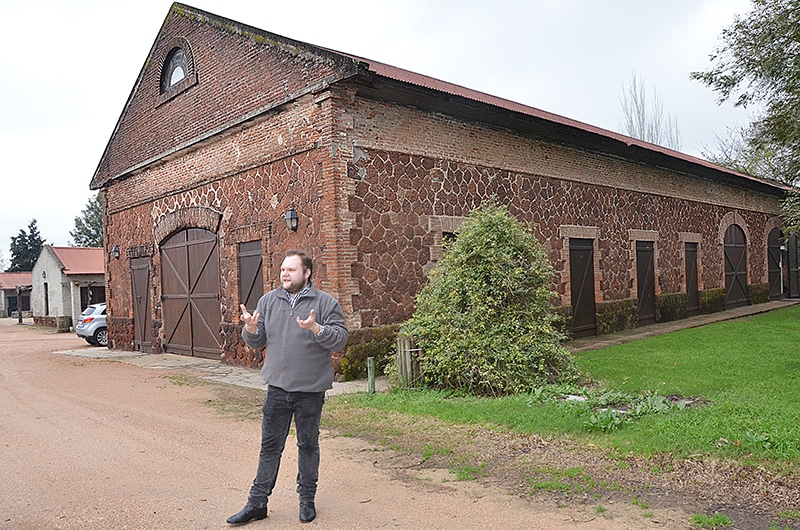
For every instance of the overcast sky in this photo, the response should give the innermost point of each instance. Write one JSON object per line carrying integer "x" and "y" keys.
{"x": 67, "y": 68}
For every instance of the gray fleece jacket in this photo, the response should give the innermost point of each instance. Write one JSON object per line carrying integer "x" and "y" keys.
{"x": 296, "y": 360}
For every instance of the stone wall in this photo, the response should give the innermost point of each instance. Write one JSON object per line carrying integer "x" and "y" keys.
{"x": 418, "y": 172}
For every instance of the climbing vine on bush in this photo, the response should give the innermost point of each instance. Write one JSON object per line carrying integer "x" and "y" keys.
{"x": 484, "y": 320}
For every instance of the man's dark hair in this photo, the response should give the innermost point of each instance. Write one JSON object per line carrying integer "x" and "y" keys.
{"x": 304, "y": 258}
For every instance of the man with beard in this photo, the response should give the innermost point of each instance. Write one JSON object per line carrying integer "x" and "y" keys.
{"x": 300, "y": 327}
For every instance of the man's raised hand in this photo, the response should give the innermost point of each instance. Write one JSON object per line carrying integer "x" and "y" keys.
{"x": 250, "y": 321}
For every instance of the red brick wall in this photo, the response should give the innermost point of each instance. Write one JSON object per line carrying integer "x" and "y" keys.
{"x": 375, "y": 185}
{"x": 240, "y": 71}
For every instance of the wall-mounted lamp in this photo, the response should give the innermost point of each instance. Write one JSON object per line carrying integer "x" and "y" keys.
{"x": 115, "y": 251}
{"x": 291, "y": 218}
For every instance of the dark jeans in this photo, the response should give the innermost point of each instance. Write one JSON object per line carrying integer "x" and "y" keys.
{"x": 279, "y": 407}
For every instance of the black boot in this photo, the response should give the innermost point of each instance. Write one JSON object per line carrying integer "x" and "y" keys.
{"x": 247, "y": 514}
{"x": 307, "y": 511}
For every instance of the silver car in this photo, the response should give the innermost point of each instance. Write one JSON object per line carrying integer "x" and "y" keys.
{"x": 92, "y": 325}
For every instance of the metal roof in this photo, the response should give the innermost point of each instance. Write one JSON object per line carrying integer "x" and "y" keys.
{"x": 10, "y": 280}
{"x": 640, "y": 149}
{"x": 81, "y": 260}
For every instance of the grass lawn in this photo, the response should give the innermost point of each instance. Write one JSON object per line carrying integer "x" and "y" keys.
{"x": 748, "y": 371}
{"x": 746, "y": 374}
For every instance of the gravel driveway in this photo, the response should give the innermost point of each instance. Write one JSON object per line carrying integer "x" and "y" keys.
{"x": 98, "y": 444}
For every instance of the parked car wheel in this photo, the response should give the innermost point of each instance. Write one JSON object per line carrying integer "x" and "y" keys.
{"x": 100, "y": 337}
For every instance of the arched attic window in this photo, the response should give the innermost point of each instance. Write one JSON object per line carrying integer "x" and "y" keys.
{"x": 177, "y": 70}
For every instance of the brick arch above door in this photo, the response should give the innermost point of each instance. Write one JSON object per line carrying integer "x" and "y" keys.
{"x": 732, "y": 218}
{"x": 191, "y": 217}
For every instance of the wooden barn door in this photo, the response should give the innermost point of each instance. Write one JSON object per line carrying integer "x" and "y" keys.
{"x": 646, "y": 282}
{"x": 581, "y": 270}
{"x": 190, "y": 293}
{"x": 794, "y": 267}
{"x": 735, "y": 267}
{"x": 775, "y": 263}
{"x": 692, "y": 291}
{"x": 142, "y": 316}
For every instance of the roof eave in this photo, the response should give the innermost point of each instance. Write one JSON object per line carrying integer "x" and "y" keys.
{"x": 508, "y": 114}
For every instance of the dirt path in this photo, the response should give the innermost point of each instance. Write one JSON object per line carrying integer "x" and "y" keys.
{"x": 98, "y": 444}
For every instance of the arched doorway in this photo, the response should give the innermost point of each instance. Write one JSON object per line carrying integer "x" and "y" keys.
{"x": 190, "y": 293}
{"x": 735, "y": 244}
{"x": 776, "y": 261}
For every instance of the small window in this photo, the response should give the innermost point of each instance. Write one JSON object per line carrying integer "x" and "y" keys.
{"x": 178, "y": 73}
{"x": 176, "y": 68}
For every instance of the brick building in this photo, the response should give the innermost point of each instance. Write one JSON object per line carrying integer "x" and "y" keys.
{"x": 229, "y": 129}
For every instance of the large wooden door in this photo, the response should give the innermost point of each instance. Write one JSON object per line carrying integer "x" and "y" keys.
{"x": 794, "y": 267}
{"x": 190, "y": 293}
{"x": 142, "y": 316}
{"x": 692, "y": 291}
{"x": 775, "y": 263}
{"x": 735, "y": 266}
{"x": 581, "y": 270}
{"x": 646, "y": 282}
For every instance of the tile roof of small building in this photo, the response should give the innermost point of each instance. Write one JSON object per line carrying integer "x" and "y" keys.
{"x": 10, "y": 280}
{"x": 81, "y": 260}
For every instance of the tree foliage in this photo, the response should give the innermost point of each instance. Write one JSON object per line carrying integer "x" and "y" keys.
{"x": 25, "y": 248}
{"x": 88, "y": 230}
{"x": 790, "y": 209}
{"x": 644, "y": 118}
{"x": 741, "y": 151}
{"x": 758, "y": 62}
{"x": 484, "y": 320}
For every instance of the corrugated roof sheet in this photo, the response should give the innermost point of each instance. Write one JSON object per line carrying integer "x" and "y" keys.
{"x": 406, "y": 76}
{"x": 10, "y": 280}
{"x": 81, "y": 260}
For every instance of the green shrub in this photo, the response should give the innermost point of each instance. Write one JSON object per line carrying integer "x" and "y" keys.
{"x": 484, "y": 320}
{"x": 378, "y": 342}
{"x": 671, "y": 306}
{"x": 712, "y": 300}
{"x": 562, "y": 320}
{"x": 617, "y": 315}
{"x": 759, "y": 293}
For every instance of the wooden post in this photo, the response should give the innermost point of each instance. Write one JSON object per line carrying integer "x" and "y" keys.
{"x": 19, "y": 304}
{"x": 371, "y": 375}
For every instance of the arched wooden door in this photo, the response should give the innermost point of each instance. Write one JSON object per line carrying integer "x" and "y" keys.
{"x": 735, "y": 266}
{"x": 775, "y": 263}
{"x": 190, "y": 293}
